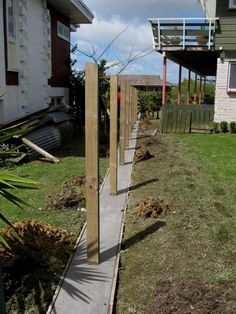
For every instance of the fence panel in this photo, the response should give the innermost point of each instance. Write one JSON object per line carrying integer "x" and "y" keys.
{"x": 184, "y": 118}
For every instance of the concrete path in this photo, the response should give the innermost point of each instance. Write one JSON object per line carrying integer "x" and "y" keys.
{"x": 88, "y": 289}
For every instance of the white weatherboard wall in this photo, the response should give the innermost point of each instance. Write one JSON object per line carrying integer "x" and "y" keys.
{"x": 225, "y": 104}
{"x": 33, "y": 43}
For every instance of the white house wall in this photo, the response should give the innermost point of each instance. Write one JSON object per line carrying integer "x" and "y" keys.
{"x": 2, "y": 64}
{"x": 33, "y": 63}
{"x": 225, "y": 104}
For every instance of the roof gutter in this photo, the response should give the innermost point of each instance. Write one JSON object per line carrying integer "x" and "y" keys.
{"x": 83, "y": 9}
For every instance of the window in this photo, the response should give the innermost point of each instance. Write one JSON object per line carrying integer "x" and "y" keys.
{"x": 232, "y": 78}
{"x": 63, "y": 31}
{"x": 232, "y": 4}
{"x": 11, "y": 18}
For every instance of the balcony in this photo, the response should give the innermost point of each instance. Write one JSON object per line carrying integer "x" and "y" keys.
{"x": 184, "y": 34}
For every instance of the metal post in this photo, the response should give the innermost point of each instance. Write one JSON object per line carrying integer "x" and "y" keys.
{"x": 189, "y": 81}
{"x": 195, "y": 89}
{"x": 179, "y": 85}
{"x": 200, "y": 91}
{"x": 164, "y": 81}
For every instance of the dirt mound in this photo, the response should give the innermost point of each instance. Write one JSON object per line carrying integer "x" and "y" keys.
{"x": 71, "y": 195}
{"x": 152, "y": 208}
{"x": 33, "y": 264}
{"x": 190, "y": 297}
{"x": 152, "y": 141}
{"x": 142, "y": 153}
{"x": 144, "y": 125}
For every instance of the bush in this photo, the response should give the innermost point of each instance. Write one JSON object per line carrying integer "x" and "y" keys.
{"x": 233, "y": 127}
{"x": 224, "y": 127}
{"x": 216, "y": 127}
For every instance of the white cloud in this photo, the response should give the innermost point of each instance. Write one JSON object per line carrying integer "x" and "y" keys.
{"x": 112, "y": 17}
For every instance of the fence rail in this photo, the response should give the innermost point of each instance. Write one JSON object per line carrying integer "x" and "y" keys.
{"x": 186, "y": 118}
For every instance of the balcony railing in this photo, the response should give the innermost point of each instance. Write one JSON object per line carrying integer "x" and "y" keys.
{"x": 183, "y": 33}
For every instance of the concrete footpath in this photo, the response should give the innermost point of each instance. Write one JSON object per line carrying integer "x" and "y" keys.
{"x": 89, "y": 289}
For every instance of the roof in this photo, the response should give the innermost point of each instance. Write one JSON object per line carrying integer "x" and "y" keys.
{"x": 75, "y": 10}
{"x": 143, "y": 80}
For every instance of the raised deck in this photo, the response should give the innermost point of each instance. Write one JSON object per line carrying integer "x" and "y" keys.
{"x": 189, "y": 34}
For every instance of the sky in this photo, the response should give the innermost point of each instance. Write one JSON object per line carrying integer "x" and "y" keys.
{"x": 130, "y": 18}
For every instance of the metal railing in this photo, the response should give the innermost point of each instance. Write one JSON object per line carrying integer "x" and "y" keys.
{"x": 182, "y": 33}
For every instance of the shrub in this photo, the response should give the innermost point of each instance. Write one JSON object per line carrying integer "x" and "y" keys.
{"x": 216, "y": 127}
{"x": 224, "y": 127}
{"x": 233, "y": 127}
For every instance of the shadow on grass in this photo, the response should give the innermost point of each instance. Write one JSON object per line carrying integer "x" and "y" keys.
{"x": 111, "y": 252}
{"x": 136, "y": 186}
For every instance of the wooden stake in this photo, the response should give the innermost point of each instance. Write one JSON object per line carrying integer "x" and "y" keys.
{"x": 92, "y": 162}
{"x": 113, "y": 134}
{"x": 122, "y": 123}
{"x": 40, "y": 150}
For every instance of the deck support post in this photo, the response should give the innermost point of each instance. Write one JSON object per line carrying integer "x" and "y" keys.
{"x": 200, "y": 91}
{"x": 189, "y": 82}
{"x": 113, "y": 134}
{"x": 92, "y": 163}
{"x": 164, "y": 80}
{"x": 195, "y": 89}
{"x": 204, "y": 89}
{"x": 179, "y": 85}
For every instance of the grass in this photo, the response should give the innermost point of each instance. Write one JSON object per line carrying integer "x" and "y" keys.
{"x": 51, "y": 177}
{"x": 195, "y": 175}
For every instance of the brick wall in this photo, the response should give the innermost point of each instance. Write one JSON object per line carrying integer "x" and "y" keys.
{"x": 225, "y": 104}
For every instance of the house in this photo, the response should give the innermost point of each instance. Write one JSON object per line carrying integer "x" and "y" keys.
{"x": 205, "y": 46}
{"x": 35, "y": 53}
{"x": 150, "y": 83}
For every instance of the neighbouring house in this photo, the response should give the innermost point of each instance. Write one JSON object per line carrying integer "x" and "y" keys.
{"x": 35, "y": 53}
{"x": 149, "y": 83}
{"x": 205, "y": 46}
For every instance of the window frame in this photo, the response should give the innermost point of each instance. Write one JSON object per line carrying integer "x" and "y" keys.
{"x": 11, "y": 37}
{"x": 65, "y": 28}
{"x": 231, "y": 90}
{"x": 232, "y": 6}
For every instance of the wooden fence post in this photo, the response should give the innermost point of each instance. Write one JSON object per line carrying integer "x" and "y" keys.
{"x": 92, "y": 162}
{"x": 122, "y": 123}
{"x": 113, "y": 134}
{"x": 130, "y": 109}
{"x": 127, "y": 101}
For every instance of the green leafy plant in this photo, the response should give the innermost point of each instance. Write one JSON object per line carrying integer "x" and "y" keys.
{"x": 149, "y": 103}
{"x": 216, "y": 127}
{"x": 224, "y": 127}
{"x": 232, "y": 127}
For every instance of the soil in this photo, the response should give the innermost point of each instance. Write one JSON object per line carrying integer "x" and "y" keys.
{"x": 190, "y": 297}
{"x": 152, "y": 141}
{"x": 33, "y": 264}
{"x": 142, "y": 153}
{"x": 71, "y": 195}
{"x": 144, "y": 125}
{"x": 152, "y": 208}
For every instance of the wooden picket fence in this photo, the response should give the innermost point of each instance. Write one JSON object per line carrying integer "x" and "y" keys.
{"x": 187, "y": 118}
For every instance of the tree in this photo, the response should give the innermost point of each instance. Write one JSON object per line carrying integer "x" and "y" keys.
{"x": 209, "y": 95}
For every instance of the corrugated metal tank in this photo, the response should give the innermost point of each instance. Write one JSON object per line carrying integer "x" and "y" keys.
{"x": 66, "y": 129}
{"x": 48, "y": 138}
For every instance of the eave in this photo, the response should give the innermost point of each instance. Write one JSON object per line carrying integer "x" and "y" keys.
{"x": 75, "y": 10}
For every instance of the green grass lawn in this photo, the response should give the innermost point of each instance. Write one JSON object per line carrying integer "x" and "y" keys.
{"x": 195, "y": 175}
{"x": 51, "y": 178}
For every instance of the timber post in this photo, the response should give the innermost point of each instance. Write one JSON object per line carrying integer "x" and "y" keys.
{"x": 92, "y": 162}
{"x": 113, "y": 134}
{"x": 122, "y": 122}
